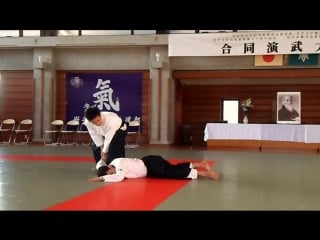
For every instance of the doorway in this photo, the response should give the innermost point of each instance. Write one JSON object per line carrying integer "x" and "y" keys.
{"x": 230, "y": 110}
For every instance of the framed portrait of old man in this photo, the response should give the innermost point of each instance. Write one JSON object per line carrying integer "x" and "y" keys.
{"x": 289, "y": 107}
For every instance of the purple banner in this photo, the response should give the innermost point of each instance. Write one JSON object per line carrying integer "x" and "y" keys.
{"x": 115, "y": 92}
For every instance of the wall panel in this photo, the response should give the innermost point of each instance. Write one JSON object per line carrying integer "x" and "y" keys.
{"x": 16, "y": 95}
{"x": 201, "y": 103}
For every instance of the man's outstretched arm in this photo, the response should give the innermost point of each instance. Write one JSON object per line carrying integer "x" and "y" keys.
{"x": 96, "y": 179}
{"x": 108, "y": 178}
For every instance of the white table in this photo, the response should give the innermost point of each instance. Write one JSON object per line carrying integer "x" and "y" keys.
{"x": 294, "y": 133}
{"x": 232, "y": 131}
{"x": 312, "y": 134}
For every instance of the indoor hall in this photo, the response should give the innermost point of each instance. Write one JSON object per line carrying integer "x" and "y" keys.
{"x": 54, "y": 178}
{"x": 174, "y": 94}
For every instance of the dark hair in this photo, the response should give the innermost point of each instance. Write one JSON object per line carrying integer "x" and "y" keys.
{"x": 92, "y": 112}
{"x": 102, "y": 171}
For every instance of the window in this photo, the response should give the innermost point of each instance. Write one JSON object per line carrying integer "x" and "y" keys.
{"x": 9, "y": 33}
{"x": 31, "y": 33}
{"x": 106, "y": 32}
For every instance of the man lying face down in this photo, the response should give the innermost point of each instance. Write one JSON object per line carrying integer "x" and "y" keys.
{"x": 151, "y": 166}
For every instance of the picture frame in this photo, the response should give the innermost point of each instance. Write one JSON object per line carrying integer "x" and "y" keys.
{"x": 289, "y": 107}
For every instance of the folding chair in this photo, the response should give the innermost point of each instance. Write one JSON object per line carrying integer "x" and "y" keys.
{"x": 53, "y": 135}
{"x": 133, "y": 136}
{"x": 83, "y": 137}
{"x": 6, "y": 130}
{"x": 69, "y": 133}
{"x": 23, "y": 132}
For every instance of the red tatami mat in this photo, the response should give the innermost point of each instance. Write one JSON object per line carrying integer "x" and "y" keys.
{"x": 46, "y": 158}
{"x": 130, "y": 194}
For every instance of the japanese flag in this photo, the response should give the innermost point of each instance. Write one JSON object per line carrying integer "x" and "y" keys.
{"x": 268, "y": 60}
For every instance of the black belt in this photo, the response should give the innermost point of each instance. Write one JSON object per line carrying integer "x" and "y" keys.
{"x": 122, "y": 124}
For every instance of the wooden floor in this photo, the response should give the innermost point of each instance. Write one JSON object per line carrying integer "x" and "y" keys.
{"x": 37, "y": 177}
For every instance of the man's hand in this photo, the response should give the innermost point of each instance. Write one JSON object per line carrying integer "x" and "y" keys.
{"x": 104, "y": 156}
{"x": 96, "y": 179}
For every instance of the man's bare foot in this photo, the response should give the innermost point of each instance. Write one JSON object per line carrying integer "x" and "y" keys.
{"x": 214, "y": 175}
{"x": 206, "y": 165}
{"x": 209, "y": 174}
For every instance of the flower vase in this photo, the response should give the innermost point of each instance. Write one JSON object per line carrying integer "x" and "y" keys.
{"x": 245, "y": 119}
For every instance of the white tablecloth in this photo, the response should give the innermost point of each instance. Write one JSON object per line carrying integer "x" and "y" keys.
{"x": 273, "y": 132}
{"x": 231, "y": 131}
{"x": 312, "y": 134}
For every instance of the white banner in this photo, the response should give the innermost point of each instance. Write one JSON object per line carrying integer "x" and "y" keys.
{"x": 245, "y": 43}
